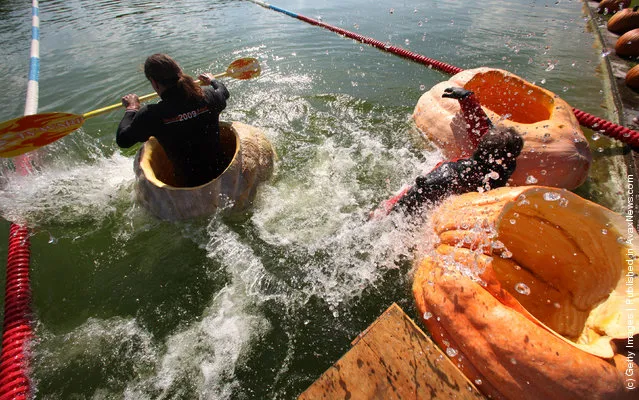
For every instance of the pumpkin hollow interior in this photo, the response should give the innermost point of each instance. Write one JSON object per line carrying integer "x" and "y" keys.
{"x": 159, "y": 169}
{"x": 508, "y": 95}
{"x": 566, "y": 265}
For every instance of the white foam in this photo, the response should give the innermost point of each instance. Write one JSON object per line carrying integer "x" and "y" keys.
{"x": 206, "y": 353}
{"x": 115, "y": 343}
{"x": 67, "y": 192}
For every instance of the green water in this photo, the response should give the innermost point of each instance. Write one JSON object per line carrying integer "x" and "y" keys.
{"x": 256, "y": 307}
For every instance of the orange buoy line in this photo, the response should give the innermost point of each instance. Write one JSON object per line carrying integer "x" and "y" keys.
{"x": 17, "y": 326}
{"x": 610, "y": 129}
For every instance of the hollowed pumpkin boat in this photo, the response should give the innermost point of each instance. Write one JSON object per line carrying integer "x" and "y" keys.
{"x": 248, "y": 155}
{"x": 533, "y": 288}
{"x": 556, "y": 152}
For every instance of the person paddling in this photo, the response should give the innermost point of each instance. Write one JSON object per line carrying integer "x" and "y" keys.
{"x": 489, "y": 167}
{"x": 185, "y": 121}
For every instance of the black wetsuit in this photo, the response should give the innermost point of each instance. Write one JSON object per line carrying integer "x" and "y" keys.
{"x": 189, "y": 132}
{"x": 490, "y": 167}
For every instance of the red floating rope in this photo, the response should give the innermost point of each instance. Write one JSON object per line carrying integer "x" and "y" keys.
{"x": 615, "y": 131}
{"x": 14, "y": 365}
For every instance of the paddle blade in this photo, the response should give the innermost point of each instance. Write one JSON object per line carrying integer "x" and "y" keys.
{"x": 31, "y": 132}
{"x": 244, "y": 68}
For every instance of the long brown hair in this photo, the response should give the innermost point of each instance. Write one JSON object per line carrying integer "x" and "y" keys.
{"x": 165, "y": 70}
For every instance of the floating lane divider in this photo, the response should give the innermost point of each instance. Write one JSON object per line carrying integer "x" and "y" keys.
{"x": 610, "y": 129}
{"x": 17, "y": 327}
{"x": 31, "y": 105}
{"x": 363, "y": 39}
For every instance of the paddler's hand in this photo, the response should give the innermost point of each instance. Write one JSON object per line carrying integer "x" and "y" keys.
{"x": 131, "y": 102}
{"x": 206, "y": 78}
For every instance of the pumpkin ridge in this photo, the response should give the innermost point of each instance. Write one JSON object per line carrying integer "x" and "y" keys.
{"x": 438, "y": 331}
{"x": 536, "y": 320}
{"x": 582, "y": 304}
{"x": 566, "y": 235}
{"x": 539, "y": 277}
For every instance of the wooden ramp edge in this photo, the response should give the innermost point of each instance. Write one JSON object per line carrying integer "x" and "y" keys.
{"x": 392, "y": 359}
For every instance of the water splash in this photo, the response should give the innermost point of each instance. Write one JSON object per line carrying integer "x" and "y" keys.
{"x": 551, "y": 196}
{"x": 522, "y": 288}
{"x": 73, "y": 193}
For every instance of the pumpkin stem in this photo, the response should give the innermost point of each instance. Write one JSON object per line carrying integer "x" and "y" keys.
{"x": 476, "y": 119}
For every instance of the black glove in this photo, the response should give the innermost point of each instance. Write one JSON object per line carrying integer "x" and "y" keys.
{"x": 456, "y": 93}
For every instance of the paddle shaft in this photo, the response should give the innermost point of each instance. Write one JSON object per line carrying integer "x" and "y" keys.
{"x": 144, "y": 98}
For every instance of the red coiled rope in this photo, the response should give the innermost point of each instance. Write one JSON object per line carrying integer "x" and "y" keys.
{"x": 621, "y": 133}
{"x": 14, "y": 382}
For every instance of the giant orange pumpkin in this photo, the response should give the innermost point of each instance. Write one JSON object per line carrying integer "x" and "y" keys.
{"x": 527, "y": 291}
{"x": 624, "y": 20}
{"x": 628, "y": 44}
{"x": 555, "y": 151}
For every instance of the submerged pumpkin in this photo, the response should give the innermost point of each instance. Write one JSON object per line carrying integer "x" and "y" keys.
{"x": 528, "y": 285}
{"x": 556, "y": 152}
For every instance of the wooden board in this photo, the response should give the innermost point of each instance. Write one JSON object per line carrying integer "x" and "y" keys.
{"x": 392, "y": 359}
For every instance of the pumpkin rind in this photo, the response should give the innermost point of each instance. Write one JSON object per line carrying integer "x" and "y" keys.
{"x": 623, "y": 21}
{"x": 628, "y": 44}
{"x": 556, "y": 152}
{"x": 632, "y": 77}
{"x": 612, "y": 6}
{"x": 555, "y": 339}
